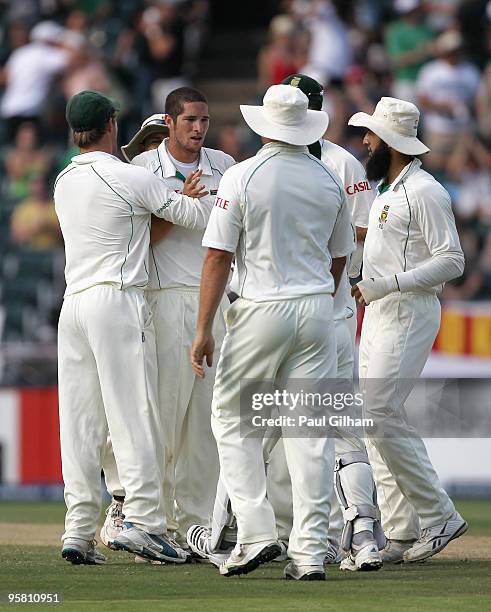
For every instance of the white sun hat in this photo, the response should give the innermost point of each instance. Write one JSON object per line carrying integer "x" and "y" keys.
{"x": 152, "y": 125}
{"x": 284, "y": 116}
{"x": 396, "y": 123}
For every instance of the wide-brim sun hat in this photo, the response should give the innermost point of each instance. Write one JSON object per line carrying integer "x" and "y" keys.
{"x": 152, "y": 125}
{"x": 285, "y": 117}
{"x": 396, "y": 123}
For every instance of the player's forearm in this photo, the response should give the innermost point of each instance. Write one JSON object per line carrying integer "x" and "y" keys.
{"x": 214, "y": 279}
{"x": 337, "y": 267}
{"x": 432, "y": 274}
{"x": 159, "y": 229}
{"x": 437, "y": 271}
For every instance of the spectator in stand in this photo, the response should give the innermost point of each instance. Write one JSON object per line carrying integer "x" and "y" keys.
{"x": 16, "y": 36}
{"x": 279, "y": 57}
{"x": 34, "y": 223}
{"x": 330, "y": 54}
{"x": 447, "y": 89}
{"x": 29, "y": 73}
{"x": 87, "y": 71}
{"x": 409, "y": 43}
{"x": 25, "y": 160}
{"x": 483, "y": 100}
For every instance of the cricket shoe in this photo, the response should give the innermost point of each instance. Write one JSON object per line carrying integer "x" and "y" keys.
{"x": 141, "y": 560}
{"x": 304, "y": 572}
{"x": 284, "y": 552}
{"x": 113, "y": 525}
{"x": 246, "y": 558}
{"x": 434, "y": 539}
{"x": 333, "y": 555}
{"x": 394, "y": 550}
{"x": 82, "y": 552}
{"x": 364, "y": 555}
{"x": 199, "y": 541}
{"x": 149, "y": 545}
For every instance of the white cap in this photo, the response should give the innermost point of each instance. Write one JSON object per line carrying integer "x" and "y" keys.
{"x": 406, "y": 6}
{"x": 396, "y": 123}
{"x": 47, "y": 31}
{"x": 155, "y": 124}
{"x": 284, "y": 116}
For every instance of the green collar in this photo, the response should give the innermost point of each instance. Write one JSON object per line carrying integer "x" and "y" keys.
{"x": 180, "y": 176}
{"x": 383, "y": 188}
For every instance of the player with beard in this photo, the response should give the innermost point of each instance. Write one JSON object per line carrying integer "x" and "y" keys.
{"x": 411, "y": 250}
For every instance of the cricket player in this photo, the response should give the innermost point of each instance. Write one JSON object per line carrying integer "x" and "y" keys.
{"x": 106, "y": 342}
{"x": 153, "y": 130}
{"x": 411, "y": 250}
{"x": 176, "y": 261}
{"x": 354, "y": 481}
{"x": 285, "y": 216}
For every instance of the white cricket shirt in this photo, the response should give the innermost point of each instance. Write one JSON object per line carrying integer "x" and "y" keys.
{"x": 359, "y": 196}
{"x": 284, "y": 214}
{"x": 412, "y": 234}
{"x": 177, "y": 260}
{"x": 104, "y": 208}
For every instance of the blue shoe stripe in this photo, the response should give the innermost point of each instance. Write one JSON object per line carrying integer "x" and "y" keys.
{"x": 167, "y": 550}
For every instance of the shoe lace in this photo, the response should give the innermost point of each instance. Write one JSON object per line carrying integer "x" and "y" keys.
{"x": 117, "y": 516}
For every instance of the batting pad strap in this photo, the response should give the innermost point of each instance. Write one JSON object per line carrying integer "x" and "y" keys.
{"x": 349, "y": 458}
{"x": 362, "y": 510}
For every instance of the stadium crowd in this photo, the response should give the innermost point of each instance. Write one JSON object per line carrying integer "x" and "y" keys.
{"x": 435, "y": 53}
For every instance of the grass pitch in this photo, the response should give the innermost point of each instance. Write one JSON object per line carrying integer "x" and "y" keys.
{"x": 458, "y": 579}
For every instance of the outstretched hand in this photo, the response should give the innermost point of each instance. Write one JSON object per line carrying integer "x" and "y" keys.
{"x": 192, "y": 187}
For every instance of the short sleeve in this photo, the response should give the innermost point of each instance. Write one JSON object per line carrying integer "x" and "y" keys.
{"x": 342, "y": 240}
{"x": 225, "y": 224}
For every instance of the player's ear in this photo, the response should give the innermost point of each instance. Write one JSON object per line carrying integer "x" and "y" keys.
{"x": 169, "y": 122}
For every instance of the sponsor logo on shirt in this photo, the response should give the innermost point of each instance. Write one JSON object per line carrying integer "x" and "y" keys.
{"x": 357, "y": 187}
{"x": 221, "y": 203}
{"x": 382, "y": 220}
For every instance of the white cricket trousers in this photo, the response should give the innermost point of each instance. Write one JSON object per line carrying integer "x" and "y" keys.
{"x": 397, "y": 335}
{"x": 278, "y": 479}
{"x": 107, "y": 382}
{"x": 190, "y": 454}
{"x": 191, "y": 457}
{"x": 278, "y": 341}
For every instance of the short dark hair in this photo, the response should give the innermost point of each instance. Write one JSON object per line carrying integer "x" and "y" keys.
{"x": 174, "y": 104}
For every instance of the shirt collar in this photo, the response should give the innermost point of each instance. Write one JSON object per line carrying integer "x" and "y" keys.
{"x": 413, "y": 166}
{"x": 168, "y": 168}
{"x": 281, "y": 146}
{"x": 93, "y": 156}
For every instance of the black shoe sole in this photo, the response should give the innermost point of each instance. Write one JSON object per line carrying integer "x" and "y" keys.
{"x": 371, "y": 567}
{"x": 265, "y": 556}
{"x": 75, "y": 557}
{"x": 314, "y": 576}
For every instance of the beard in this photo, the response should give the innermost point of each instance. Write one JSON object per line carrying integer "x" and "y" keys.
{"x": 378, "y": 163}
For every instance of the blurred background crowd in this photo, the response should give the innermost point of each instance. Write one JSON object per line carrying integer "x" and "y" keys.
{"x": 435, "y": 53}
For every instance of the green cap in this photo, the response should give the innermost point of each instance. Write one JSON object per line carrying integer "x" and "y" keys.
{"x": 310, "y": 87}
{"x": 89, "y": 110}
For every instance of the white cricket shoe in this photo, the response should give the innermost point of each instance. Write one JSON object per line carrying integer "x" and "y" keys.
{"x": 150, "y": 546}
{"x": 304, "y": 572}
{"x": 113, "y": 524}
{"x": 364, "y": 555}
{"x": 199, "y": 541}
{"x": 434, "y": 539}
{"x": 82, "y": 552}
{"x": 394, "y": 550}
{"x": 333, "y": 555}
{"x": 246, "y": 558}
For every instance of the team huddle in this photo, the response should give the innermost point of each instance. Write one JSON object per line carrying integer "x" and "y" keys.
{"x": 152, "y": 352}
